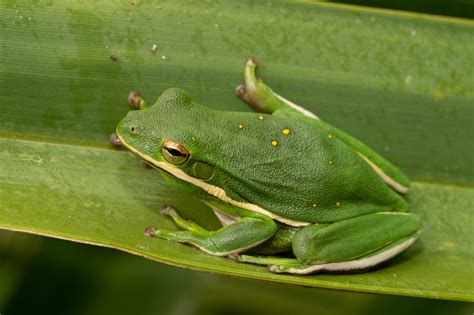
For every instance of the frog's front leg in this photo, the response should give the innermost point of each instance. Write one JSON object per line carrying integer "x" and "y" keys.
{"x": 354, "y": 244}
{"x": 180, "y": 221}
{"x": 247, "y": 231}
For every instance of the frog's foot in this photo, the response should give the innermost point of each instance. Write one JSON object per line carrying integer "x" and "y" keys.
{"x": 187, "y": 225}
{"x": 264, "y": 260}
{"x": 115, "y": 141}
{"x": 278, "y": 264}
{"x": 241, "y": 92}
{"x": 275, "y": 264}
{"x": 293, "y": 266}
{"x": 136, "y": 101}
{"x": 194, "y": 234}
{"x": 261, "y": 97}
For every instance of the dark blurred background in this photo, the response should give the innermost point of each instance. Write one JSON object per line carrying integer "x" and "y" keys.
{"x": 455, "y": 8}
{"x": 48, "y": 276}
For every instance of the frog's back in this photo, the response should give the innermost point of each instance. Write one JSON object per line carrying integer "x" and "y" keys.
{"x": 298, "y": 170}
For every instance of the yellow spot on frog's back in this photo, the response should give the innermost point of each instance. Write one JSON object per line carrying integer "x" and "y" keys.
{"x": 194, "y": 138}
{"x": 274, "y": 143}
{"x": 314, "y": 205}
{"x": 329, "y": 136}
{"x": 241, "y": 126}
{"x": 285, "y": 131}
{"x": 330, "y": 162}
{"x": 261, "y": 117}
{"x": 338, "y": 204}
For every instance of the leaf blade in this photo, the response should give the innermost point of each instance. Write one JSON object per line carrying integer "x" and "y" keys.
{"x": 399, "y": 82}
{"x": 106, "y": 197}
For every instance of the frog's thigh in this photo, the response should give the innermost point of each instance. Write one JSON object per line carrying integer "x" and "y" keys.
{"x": 377, "y": 237}
{"x": 234, "y": 238}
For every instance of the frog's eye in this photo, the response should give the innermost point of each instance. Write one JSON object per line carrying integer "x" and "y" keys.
{"x": 174, "y": 152}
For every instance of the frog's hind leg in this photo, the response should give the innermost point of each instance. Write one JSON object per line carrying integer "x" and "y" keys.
{"x": 294, "y": 266}
{"x": 353, "y": 244}
{"x": 261, "y": 97}
{"x": 356, "y": 265}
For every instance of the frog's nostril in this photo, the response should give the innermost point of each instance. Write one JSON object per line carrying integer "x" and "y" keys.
{"x": 133, "y": 129}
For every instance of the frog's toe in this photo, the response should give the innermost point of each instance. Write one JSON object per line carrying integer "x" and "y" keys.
{"x": 136, "y": 101}
{"x": 167, "y": 210}
{"x": 235, "y": 257}
{"x": 251, "y": 62}
{"x": 150, "y": 231}
{"x": 274, "y": 269}
{"x": 241, "y": 92}
{"x": 297, "y": 269}
{"x": 134, "y": 98}
{"x": 115, "y": 141}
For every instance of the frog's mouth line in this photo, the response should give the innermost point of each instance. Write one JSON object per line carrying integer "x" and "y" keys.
{"x": 215, "y": 191}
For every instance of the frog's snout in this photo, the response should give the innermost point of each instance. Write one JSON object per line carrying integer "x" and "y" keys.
{"x": 126, "y": 127}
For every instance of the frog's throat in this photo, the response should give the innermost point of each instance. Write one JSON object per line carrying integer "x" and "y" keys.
{"x": 215, "y": 191}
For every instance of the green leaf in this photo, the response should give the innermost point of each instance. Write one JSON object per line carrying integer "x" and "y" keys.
{"x": 400, "y": 82}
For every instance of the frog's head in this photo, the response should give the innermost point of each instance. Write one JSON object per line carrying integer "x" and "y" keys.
{"x": 234, "y": 156}
{"x": 164, "y": 135}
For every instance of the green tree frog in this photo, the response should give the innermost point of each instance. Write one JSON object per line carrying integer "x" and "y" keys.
{"x": 292, "y": 192}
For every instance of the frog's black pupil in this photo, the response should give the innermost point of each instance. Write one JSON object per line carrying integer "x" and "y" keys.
{"x": 174, "y": 152}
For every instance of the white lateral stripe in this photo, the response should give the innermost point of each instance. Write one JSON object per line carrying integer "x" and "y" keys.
{"x": 359, "y": 263}
{"x": 296, "y": 107}
{"x": 214, "y": 190}
{"x": 387, "y": 179}
{"x": 221, "y": 194}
